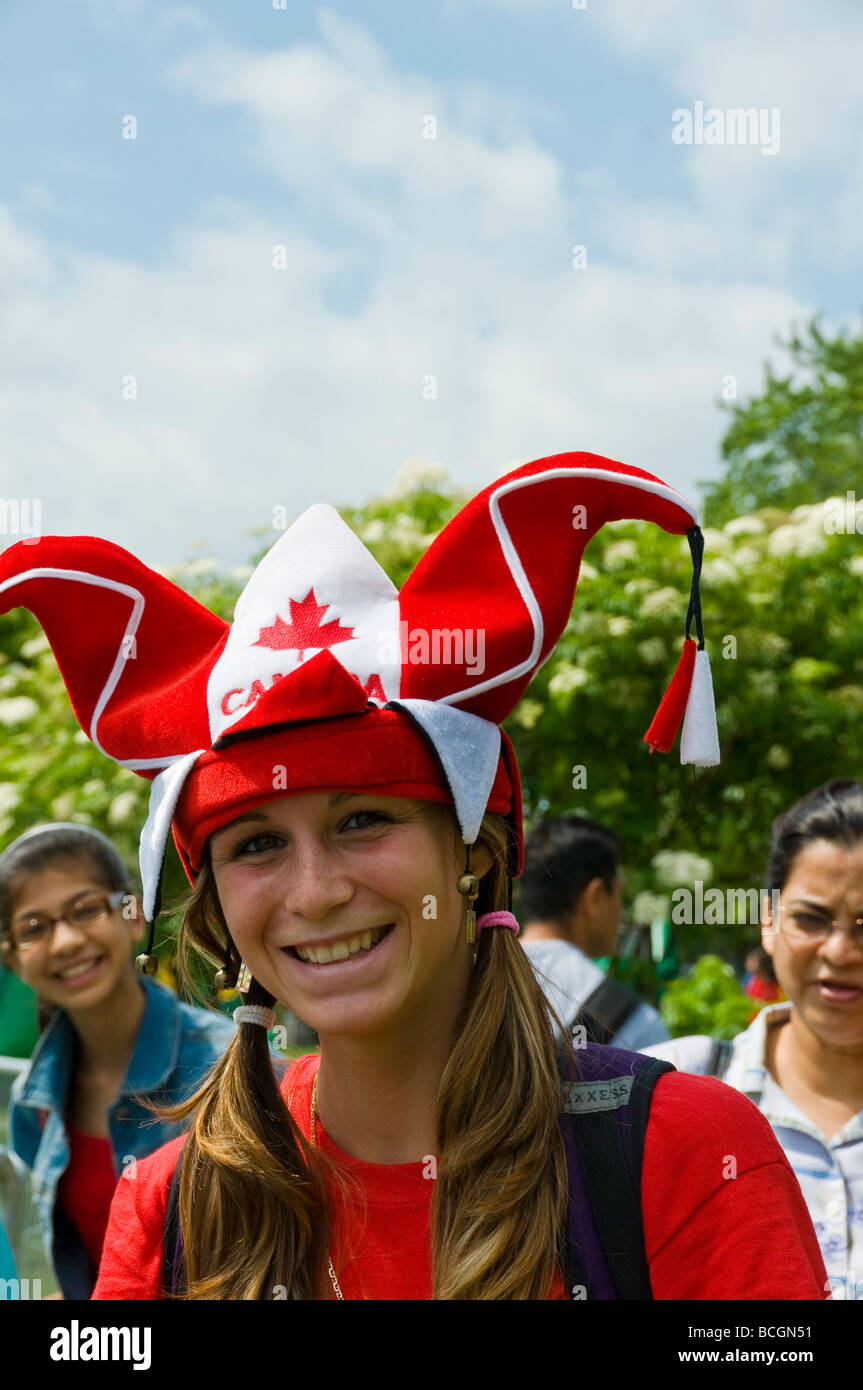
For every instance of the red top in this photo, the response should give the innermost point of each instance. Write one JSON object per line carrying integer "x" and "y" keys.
{"x": 724, "y": 1217}
{"x": 757, "y": 988}
{"x": 85, "y": 1190}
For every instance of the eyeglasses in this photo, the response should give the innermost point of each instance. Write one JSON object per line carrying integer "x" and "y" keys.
{"x": 807, "y": 927}
{"x": 83, "y": 912}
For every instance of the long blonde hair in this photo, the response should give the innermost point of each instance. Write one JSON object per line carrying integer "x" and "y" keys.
{"x": 254, "y": 1211}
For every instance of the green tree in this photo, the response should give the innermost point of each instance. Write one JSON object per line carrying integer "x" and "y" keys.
{"x": 707, "y": 1000}
{"x": 801, "y": 440}
{"x": 783, "y": 617}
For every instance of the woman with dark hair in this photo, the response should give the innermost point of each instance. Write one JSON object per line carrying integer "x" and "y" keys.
{"x": 801, "y": 1062}
{"x": 348, "y": 809}
{"x": 110, "y": 1042}
{"x": 760, "y": 979}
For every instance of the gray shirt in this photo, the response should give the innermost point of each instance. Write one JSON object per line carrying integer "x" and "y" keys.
{"x": 567, "y": 977}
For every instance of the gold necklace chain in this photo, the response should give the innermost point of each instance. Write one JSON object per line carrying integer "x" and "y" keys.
{"x": 332, "y": 1273}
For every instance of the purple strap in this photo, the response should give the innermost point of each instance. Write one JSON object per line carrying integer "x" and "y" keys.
{"x": 582, "y": 1227}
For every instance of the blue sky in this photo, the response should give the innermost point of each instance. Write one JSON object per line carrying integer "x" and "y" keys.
{"x": 259, "y": 387}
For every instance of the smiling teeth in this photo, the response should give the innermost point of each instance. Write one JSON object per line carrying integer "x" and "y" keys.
{"x": 341, "y": 950}
{"x": 77, "y": 970}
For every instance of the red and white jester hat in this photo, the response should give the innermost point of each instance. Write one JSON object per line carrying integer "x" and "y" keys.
{"x": 330, "y": 679}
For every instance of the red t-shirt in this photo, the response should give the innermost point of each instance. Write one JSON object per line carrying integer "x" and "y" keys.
{"x": 708, "y": 1234}
{"x": 85, "y": 1190}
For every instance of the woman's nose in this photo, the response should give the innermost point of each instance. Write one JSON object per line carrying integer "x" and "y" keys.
{"x": 66, "y": 937}
{"x": 841, "y": 946}
{"x": 316, "y": 883}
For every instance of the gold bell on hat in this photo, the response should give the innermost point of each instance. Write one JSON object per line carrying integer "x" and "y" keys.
{"x": 147, "y": 963}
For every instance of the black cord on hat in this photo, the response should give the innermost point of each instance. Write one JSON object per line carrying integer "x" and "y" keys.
{"x": 147, "y": 962}
{"x": 696, "y": 547}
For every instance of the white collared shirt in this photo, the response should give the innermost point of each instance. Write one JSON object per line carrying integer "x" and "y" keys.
{"x": 830, "y": 1171}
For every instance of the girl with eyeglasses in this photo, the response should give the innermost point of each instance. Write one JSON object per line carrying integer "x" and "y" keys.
{"x": 801, "y": 1062}
{"x": 110, "y": 1040}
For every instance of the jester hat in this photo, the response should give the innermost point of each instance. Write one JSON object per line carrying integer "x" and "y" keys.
{"x": 329, "y": 678}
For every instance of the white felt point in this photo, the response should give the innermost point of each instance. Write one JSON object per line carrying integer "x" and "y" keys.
{"x": 164, "y": 794}
{"x": 699, "y": 742}
{"x": 468, "y": 748}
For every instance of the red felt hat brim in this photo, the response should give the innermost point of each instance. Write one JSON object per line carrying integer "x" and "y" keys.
{"x": 380, "y": 751}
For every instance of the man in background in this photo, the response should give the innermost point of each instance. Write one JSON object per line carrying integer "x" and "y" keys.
{"x": 571, "y": 899}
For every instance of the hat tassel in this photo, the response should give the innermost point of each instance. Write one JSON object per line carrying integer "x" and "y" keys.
{"x": 689, "y": 696}
{"x": 674, "y": 703}
{"x": 699, "y": 743}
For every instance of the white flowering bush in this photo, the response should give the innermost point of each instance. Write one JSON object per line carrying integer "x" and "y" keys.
{"x": 18, "y": 710}
{"x": 619, "y": 553}
{"x": 744, "y": 526}
{"x": 418, "y": 475}
{"x": 566, "y": 679}
{"x": 661, "y": 603}
{"x": 679, "y": 868}
{"x": 783, "y": 621}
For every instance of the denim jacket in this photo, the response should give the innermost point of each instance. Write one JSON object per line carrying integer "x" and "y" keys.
{"x": 176, "y": 1044}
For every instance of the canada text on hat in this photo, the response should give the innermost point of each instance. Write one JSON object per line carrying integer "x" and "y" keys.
{"x": 323, "y": 648}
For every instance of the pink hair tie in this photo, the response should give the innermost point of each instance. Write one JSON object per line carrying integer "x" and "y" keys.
{"x": 496, "y": 919}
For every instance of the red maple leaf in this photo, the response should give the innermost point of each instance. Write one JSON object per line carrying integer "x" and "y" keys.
{"x": 305, "y": 630}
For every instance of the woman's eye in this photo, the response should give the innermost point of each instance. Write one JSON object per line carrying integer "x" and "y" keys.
{"x": 258, "y": 844}
{"x": 366, "y": 819}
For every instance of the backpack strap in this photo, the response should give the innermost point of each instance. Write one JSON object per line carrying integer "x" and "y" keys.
{"x": 605, "y": 1010}
{"x": 604, "y": 1122}
{"x": 720, "y": 1056}
{"x": 173, "y": 1264}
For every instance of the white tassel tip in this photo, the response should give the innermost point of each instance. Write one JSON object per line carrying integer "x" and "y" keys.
{"x": 699, "y": 742}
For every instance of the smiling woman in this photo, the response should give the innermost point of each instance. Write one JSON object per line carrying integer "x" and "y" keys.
{"x": 801, "y": 1062}
{"x": 68, "y": 921}
{"x": 323, "y": 872}
{"x": 351, "y": 835}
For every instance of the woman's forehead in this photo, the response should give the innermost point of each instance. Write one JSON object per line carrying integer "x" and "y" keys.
{"x": 826, "y": 869}
{"x": 67, "y": 876}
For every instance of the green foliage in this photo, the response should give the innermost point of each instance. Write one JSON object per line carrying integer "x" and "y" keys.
{"x": 783, "y": 616}
{"x": 707, "y": 1000}
{"x": 801, "y": 440}
{"x": 637, "y": 974}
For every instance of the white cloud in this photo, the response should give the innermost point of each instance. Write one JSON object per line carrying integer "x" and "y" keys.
{"x": 775, "y": 53}
{"x": 253, "y": 390}
{"x": 790, "y": 55}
